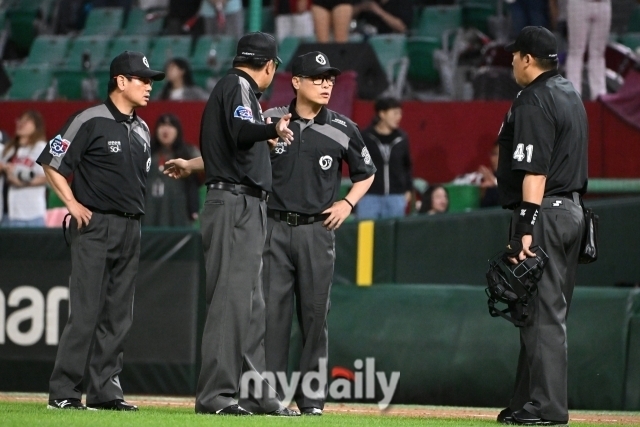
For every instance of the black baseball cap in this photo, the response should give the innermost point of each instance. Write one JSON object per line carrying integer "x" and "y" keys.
{"x": 133, "y": 64}
{"x": 535, "y": 41}
{"x": 312, "y": 64}
{"x": 257, "y": 45}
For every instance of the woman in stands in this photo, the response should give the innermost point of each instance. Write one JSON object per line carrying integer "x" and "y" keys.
{"x": 24, "y": 190}
{"x": 331, "y": 15}
{"x": 170, "y": 202}
{"x": 435, "y": 200}
{"x": 180, "y": 85}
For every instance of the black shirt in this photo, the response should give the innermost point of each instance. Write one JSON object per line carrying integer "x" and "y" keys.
{"x": 233, "y": 134}
{"x": 391, "y": 154}
{"x": 545, "y": 132}
{"x": 307, "y": 173}
{"x": 402, "y": 9}
{"x": 108, "y": 153}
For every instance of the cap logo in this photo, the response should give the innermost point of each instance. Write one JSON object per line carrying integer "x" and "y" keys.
{"x": 321, "y": 60}
{"x": 145, "y": 62}
{"x": 248, "y": 53}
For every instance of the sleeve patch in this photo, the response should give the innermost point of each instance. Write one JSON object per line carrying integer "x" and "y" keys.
{"x": 366, "y": 156}
{"x": 243, "y": 113}
{"x": 58, "y": 146}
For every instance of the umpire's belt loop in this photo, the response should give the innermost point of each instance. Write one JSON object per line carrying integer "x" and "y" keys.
{"x": 239, "y": 189}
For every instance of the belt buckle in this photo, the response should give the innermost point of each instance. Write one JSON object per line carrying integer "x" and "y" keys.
{"x": 292, "y": 219}
{"x": 128, "y": 215}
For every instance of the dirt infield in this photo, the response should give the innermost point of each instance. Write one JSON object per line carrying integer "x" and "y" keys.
{"x": 595, "y": 417}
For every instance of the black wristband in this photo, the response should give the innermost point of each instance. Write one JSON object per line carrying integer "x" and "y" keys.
{"x": 527, "y": 218}
{"x": 350, "y": 204}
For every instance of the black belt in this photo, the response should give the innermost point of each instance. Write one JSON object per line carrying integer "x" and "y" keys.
{"x": 574, "y": 196}
{"x": 293, "y": 219}
{"x": 112, "y": 212}
{"x": 239, "y": 189}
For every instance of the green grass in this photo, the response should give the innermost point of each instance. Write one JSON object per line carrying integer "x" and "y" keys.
{"x": 36, "y": 414}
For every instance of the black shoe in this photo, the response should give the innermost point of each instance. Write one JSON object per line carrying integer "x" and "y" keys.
{"x": 66, "y": 404}
{"x": 284, "y": 412}
{"x": 233, "y": 410}
{"x": 311, "y": 411}
{"x": 114, "y": 405}
{"x": 505, "y": 416}
{"x": 523, "y": 417}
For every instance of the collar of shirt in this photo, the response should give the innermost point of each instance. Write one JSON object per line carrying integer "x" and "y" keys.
{"x": 544, "y": 77}
{"x": 321, "y": 118}
{"x": 117, "y": 114}
{"x": 254, "y": 85}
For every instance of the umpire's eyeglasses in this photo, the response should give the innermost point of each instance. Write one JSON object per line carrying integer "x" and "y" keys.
{"x": 317, "y": 80}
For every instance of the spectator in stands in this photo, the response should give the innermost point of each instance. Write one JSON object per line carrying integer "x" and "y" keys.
{"x": 223, "y": 17}
{"x": 388, "y": 146}
{"x": 435, "y": 200}
{"x": 170, "y": 202}
{"x": 332, "y": 15}
{"x": 489, "y": 182}
{"x": 588, "y": 21}
{"x": 180, "y": 85}
{"x": 182, "y": 16}
{"x": 25, "y": 183}
{"x": 386, "y": 16}
{"x": 293, "y": 18}
{"x": 528, "y": 12}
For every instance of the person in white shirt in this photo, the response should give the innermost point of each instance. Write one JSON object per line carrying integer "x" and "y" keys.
{"x": 26, "y": 204}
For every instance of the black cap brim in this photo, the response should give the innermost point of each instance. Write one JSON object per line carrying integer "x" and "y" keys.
{"x": 152, "y": 74}
{"x": 326, "y": 69}
{"x": 511, "y": 47}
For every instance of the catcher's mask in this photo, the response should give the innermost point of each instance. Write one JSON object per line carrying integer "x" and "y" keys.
{"x": 515, "y": 285}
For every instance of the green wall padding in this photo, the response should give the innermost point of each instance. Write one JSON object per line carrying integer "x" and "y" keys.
{"x": 449, "y": 351}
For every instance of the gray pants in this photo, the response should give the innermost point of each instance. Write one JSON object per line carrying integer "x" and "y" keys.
{"x": 541, "y": 379}
{"x": 233, "y": 233}
{"x": 104, "y": 265}
{"x": 298, "y": 260}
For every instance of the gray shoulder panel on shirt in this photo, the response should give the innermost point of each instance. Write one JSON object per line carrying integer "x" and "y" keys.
{"x": 276, "y": 112}
{"x": 333, "y": 133}
{"x": 246, "y": 91}
{"x": 71, "y": 132}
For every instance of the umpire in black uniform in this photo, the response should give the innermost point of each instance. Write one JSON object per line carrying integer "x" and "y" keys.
{"x": 235, "y": 157}
{"x": 106, "y": 148}
{"x": 299, "y": 253}
{"x": 542, "y": 173}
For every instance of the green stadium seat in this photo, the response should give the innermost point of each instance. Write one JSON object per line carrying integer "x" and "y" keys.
{"x": 167, "y": 47}
{"x": 212, "y": 55}
{"x": 391, "y": 50}
{"x": 122, "y": 43}
{"x": 436, "y": 21}
{"x": 421, "y": 62}
{"x": 634, "y": 21}
{"x": 137, "y": 24}
{"x": 30, "y": 83}
{"x": 70, "y": 75}
{"x": 48, "y": 50}
{"x": 476, "y": 15}
{"x": 289, "y": 45}
{"x": 631, "y": 40}
{"x": 103, "y": 21}
{"x": 463, "y": 197}
{"x": 95, "y": 46}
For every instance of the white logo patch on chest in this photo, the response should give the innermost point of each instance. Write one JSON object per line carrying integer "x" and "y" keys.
{"x": 280, "y": 147}
{"x": 325, "y": 162}
{"x": 114, "y": 146}
{"x": 148, "y": 164}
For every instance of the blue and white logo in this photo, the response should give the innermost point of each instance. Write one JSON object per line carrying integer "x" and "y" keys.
{"x": 243, "y": 113}
{"x": 58, "y": 146}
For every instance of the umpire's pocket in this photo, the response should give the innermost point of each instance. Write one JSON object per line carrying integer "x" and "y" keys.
{"x": 214, "y": 202}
